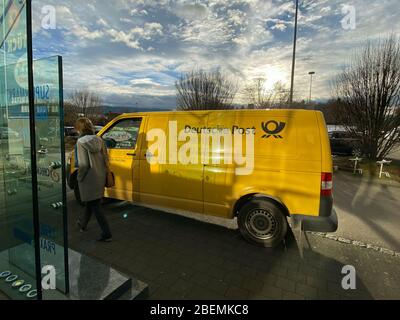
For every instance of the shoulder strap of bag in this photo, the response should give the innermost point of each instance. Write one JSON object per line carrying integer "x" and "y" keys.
{"x": 105, "y": 154}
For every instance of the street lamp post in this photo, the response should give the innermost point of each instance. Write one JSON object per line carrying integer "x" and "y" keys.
{"x": 311, "y": 73}
{"x": 294, "y": 53}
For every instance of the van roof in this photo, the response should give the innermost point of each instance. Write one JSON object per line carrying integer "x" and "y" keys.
{"x": 285, "y": 112}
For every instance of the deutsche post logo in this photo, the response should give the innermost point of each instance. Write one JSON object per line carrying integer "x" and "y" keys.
{"x": 272, "y": 129}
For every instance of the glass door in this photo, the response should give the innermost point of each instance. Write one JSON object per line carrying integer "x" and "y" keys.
{"x": 18, "y": 278}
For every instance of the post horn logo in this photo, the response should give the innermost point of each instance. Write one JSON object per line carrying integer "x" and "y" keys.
{"x": 273, "y": 128}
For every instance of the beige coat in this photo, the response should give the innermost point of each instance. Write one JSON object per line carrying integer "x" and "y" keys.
{"x": 92, "y": 172}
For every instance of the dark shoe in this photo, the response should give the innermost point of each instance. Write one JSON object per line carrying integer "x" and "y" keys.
{"x": 105, "y": 239}
{"x": 81, "y": 229}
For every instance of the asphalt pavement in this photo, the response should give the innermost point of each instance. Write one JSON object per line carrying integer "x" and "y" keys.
{"x": 368, "y": 209}
{"x": 182, "y": 258}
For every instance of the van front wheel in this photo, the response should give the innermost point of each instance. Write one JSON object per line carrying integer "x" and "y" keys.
{"x": 263, "y": 223}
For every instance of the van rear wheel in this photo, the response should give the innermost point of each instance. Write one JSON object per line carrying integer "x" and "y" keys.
{"x": 262, "y": 222}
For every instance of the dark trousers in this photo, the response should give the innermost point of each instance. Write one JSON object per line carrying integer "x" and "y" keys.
{"x": 94, "y": 207}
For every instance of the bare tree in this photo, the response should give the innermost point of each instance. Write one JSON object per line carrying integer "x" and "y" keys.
{"x": 330, "y": 109}
{"x": 261, "y": 98}
{"x": 201, "y": 90}
{"x": 368, "y": 92}
{"x": 70, "y": 114}
{"x": 83, "y": 103}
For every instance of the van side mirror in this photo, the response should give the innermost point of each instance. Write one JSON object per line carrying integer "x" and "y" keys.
{"x": 110, "y": 143}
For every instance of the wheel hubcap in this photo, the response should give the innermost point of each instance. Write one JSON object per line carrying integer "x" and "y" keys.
{"x": 261, "y": 224}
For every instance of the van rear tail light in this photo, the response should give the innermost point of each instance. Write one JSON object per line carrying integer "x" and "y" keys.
{"x": 326, "y": 184}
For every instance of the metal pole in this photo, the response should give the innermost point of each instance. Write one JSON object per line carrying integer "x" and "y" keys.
{"x": 311, "y": 77}
{"x": 294, "y": 53}
{"x": 32, "y": 128}
{"x": 64, "y": 191}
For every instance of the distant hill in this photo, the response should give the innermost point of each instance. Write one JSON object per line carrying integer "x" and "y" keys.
{"x": 115, "y": 109}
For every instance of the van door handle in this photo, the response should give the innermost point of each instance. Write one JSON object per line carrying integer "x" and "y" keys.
{"x": 131, "y": 154}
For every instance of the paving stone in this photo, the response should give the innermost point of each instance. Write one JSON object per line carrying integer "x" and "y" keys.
{"x": 201, "y": 293}
{"x": 320, "y": 283}
{"x": 246, "y": 271}
{"x": 292, "y": 296}
{"x": 355, "y": 294}
{"x": 335, "y": 287}
{"x": 218, "y": 286}
{"x": 326, "y": 295}
{"x": 201, "y": 266}
{"x": 182, "y": 258}
{"x": 234, "y": 278}
{"x": 296, "y": 276}
{"x": 259, "y": 296}
{"x": 253, "y": 284}
{"x": 267, "y": 278}
{"x": 306, "y": 291}
{"x": 151, "y": 273}
{"x": 308, "y": 269}
{"x": 230, "y": 266}
{"x": 201, "y": 279}
{"x": 286, "y": 284}
{"x": 272, "y": 292}
{"x": 167, "y": 279}
{"x": 163, "y": 293}
{"x": 182, "y": 286}
{"x": 290, "y": 264}
{"x": 216, "y": 273}
{"x": 279, "y": 270}
{"x": 236, "y": 293}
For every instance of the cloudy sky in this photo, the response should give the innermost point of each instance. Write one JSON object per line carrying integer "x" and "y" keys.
{"x": 132, "y": 51}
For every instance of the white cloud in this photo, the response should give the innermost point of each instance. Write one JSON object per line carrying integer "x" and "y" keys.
{"x": 102, "y": 22}
{"x": 237, "y": 17}
{"x": 144, "y": 81}
{"x": 191, "y": 11}
{"x": 326, "y": 9}
{"x": 133, "y": 37}
{"x": 279, "y": 26}
{"x": 137, "y": 12}
{"x": 83, "y": 33}
{"x": 246, "y": 38}
{"x": 124, "y": 37}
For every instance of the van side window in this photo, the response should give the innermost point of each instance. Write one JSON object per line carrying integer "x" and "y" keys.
{"x": 124, "y": 134}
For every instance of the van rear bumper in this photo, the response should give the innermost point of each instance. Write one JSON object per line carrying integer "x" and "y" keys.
{"x": 317, "y": 223}
{"x": 327, "y": 220}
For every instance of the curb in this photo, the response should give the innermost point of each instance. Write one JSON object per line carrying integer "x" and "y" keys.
{"x": 357, "y": 243}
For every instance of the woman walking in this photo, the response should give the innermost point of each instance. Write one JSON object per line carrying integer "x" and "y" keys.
{"x": 92, "y": 161}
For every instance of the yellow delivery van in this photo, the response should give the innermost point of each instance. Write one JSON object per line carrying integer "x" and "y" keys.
{"x": 261, "y": 166}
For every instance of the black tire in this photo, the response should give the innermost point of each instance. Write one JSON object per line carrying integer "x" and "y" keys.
{"x": 78, "y": 195}
{"x": 262, "y": 222}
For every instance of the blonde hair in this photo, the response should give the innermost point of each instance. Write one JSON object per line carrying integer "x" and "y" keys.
{"x": 84, "y": 126}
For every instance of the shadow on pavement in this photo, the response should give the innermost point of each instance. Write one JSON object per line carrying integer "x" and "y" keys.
{"x": 181, "y": 258}
{"x": 374, "y": 204}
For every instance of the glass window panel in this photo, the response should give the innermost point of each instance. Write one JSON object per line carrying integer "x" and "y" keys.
{"x": 123, "y": 135}
{"x": 17, "y": 251}
{"x": 50, "y": 164}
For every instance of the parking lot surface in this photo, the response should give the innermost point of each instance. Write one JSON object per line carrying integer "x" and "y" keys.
{"x": 181, "y": 258}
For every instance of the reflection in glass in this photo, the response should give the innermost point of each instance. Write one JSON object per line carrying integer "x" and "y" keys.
{"x": 16, "y": 200}
{"x": 50, "y": 156}
{"x": 17, "y": 245}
